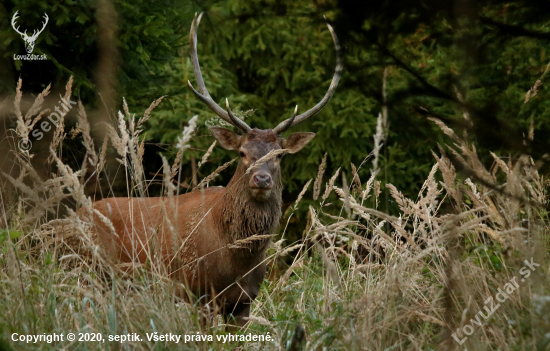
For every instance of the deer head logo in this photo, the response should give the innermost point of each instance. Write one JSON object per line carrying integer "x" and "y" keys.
{"x": 29, "y": 40}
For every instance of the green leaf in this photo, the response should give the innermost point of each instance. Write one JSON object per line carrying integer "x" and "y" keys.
{"x": 14, "y": 234}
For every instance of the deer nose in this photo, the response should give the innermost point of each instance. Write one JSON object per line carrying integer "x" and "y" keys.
{"x": 262, "y": 180}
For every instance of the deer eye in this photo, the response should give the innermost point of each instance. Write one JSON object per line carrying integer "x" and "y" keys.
{"x": 280, "y": 156}
{"x": 242, "y": 154}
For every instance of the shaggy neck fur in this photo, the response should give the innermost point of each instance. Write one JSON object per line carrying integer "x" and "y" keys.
{"x": 241, "y": 216}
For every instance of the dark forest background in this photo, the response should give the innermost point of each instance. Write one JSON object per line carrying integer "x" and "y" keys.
{"x": 442, "y": 58}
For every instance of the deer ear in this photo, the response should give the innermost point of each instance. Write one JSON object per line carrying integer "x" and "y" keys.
{"x": 227, "y": 139}
{"x": 295, "y": 142}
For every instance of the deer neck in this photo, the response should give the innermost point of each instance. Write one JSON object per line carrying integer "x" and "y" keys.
{"x": 241, "y": 217}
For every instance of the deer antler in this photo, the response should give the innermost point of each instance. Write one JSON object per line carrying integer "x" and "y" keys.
{"x": 34, "y": 34}
{"x": 13, "y": 19}
{"x": 204, "y": 96}
{"x": 228, "y": 116}
{"x": 285, "y": 125}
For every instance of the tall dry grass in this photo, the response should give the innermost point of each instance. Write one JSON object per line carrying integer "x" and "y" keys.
{"x": 359, "y": 279}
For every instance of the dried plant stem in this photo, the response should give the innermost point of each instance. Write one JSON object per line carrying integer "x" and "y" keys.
{"x": 319, "y": 179}
{"x": 218, "y": 170}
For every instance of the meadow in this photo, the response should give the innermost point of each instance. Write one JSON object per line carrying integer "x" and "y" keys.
{"x": 464, "y": 265}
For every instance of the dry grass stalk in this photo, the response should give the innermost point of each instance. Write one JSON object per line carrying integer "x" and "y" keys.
{"x": 127, "y": 112}
{"x": 147, "y": 112}
{"x": 377, "y": 191}
{"x": 211, "y": 177}
{"x": 170, "y": 189}
{"x": 125, "y": 139}
{"x": 141, "y": 151}
{"x": 102, "y": 154}
{"x": 187, "y": 133}
{"x": 319, "y": 179}
{"x": 83, "y": 126}
{"x": 288, "y": 249}
{"x": 259, "y": 321}
{"x": 330, "y": 184}
{"x": 17, "y": 102}
{"x": 176, "y": 165}
{"x": 40, "y": 205}
{"x": 72, "y": 182}
{"x": 264, "y": 159}
{"x": 467, "y": 155}
{"x": 284, "y": 279}
{"x": 136, "y": 169}
{"x": 207, "y": 154}
{"x": 500, "y": 164}
{"x": 448, "y": 131}
{"x": 534, "y": 89}
{"x": 35, "y": 108}
{"x": 304, "y": 189}
{"x": 379, "y": 138}
{"x": 25, "y": 124}
{"x": 120, "y": 142}
{"x": 168, "y": 185}
{"x": 59, "y": 133}
{"x": 332, "y": 270}
{"x": 346, "y": 193}
{"x": 431, "y": 186}
{"x": 243, "y": 243}
{"x": 356, "y": 178}
{"x": 449, "y": 176}
{"x": 368, "y": 187}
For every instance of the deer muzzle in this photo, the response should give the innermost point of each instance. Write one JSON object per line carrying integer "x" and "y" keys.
{"x": 260, "y": 185}
{"x": 262, "y": 180}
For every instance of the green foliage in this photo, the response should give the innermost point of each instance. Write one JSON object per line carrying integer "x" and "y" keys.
{"x": 268, "y": 56}
{"x": 273, "y": 55}
{"x": 12, "y": 234}
{"x": 148, "y": 33}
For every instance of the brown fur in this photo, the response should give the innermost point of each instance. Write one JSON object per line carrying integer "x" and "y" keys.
{"x": 200, "y": 249}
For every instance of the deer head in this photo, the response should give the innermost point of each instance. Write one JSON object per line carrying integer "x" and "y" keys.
{"x": 253, "y": 143}
{"x": 29, "y": 40}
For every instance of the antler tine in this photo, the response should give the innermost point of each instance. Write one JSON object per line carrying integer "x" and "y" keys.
{"x": 287, "y": 123}
{"x": 236, "y": 121}
{"x": 45, "y": 23}
{"x": 37, "y": 32}
{"x": 203, "y": 95}
{"x": 315, "y": 109}
{"x": 13, "y": 20}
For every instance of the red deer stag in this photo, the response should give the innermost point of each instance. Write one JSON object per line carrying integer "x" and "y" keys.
{"x": 196, "y": 236}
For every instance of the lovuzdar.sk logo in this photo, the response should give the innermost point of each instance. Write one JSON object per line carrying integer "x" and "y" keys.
{"x": 29, "y": 39}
